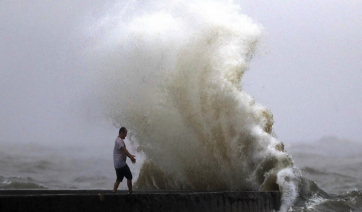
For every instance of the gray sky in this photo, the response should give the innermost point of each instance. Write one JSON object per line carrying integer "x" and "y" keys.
{"x": 308, "y": 73}
{"x": 311, "y": 78}
{"x": 43, "y": 78}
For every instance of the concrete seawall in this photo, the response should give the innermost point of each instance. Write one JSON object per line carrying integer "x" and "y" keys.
{"x": 145, "y": 201}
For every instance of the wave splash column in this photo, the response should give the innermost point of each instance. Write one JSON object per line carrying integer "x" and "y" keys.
{"x": 172, "y": 74}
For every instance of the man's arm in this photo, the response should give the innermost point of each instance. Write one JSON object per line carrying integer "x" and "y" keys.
{"x": 132, "y": 157}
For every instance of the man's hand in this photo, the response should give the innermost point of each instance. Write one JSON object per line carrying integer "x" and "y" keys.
{"x": 133, "y": 159}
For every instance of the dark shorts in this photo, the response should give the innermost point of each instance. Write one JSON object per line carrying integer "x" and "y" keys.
{"x": 123, "y": 172}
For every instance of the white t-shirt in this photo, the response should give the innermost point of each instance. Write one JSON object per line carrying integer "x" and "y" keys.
{"x": 119, "y": 157}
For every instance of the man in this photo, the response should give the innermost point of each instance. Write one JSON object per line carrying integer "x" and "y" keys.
{"x": 120, "y": 154}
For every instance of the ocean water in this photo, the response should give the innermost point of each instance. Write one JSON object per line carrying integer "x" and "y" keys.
{"x": 34, "y": 166}
{"x": 172, "y": 74}
{"x": 331, "y": 164}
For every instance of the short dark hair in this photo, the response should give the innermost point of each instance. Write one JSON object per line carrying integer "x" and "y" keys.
{"x": 123, "y": 129}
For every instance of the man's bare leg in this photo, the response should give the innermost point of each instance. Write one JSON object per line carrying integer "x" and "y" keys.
{"x": 129, "y": 184}
{"x": 115, "y": 187}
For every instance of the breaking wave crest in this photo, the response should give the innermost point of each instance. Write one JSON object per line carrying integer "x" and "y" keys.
{"x": 172, "y": 76}
{"x": 20, "y": 183}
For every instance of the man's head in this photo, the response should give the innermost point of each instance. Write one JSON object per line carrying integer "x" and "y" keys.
{"x": 122, "y": 132}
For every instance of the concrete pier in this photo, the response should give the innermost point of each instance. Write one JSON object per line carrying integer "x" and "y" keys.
{"x": 145, "y": 201}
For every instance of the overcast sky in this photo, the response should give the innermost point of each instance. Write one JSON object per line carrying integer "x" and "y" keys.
{"x": 308, "y": 71}
{"x": 311, "y": 78}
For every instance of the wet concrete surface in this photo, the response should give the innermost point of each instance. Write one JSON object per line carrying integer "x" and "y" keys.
{"x": 147, "y": 201}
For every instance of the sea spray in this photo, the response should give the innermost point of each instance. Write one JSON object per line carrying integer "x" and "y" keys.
{"x": 172, "y": 75}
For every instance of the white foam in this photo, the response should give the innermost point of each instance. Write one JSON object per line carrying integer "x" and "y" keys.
{"x": 173, "y": 78}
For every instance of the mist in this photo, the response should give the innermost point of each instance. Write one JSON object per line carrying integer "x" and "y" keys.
{"x": 198, "y": 82}
{"x": 311, "y": 73}
{"x": 310, "y": 60}
{"x": 46, "y": 93}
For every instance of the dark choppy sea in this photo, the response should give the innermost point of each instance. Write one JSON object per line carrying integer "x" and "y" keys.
{"x": 335, "y": 165}
{"x": 33, "y": 166}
